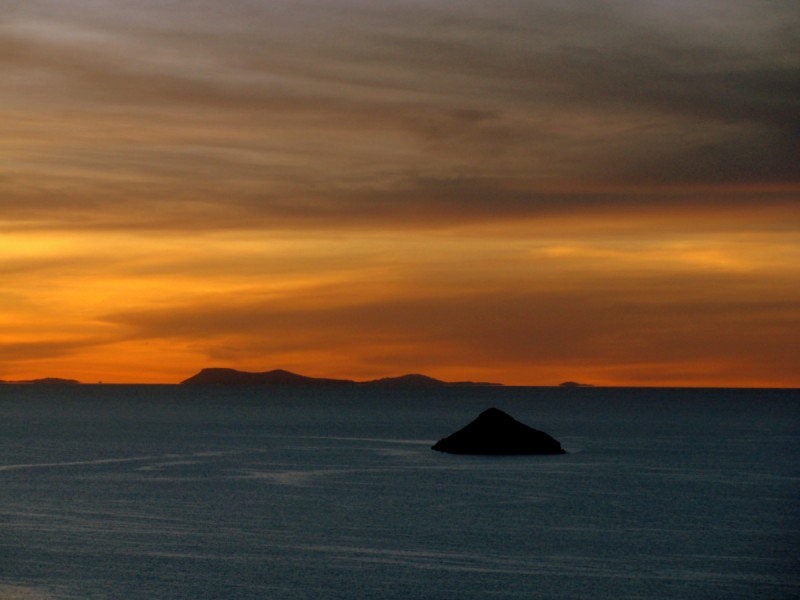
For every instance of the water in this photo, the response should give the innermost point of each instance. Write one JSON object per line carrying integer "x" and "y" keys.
{"x": 170, "y": 492}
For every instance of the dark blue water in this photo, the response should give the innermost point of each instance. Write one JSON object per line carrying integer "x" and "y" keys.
{"x": 169, "y": 492}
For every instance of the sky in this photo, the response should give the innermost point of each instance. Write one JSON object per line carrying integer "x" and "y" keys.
{"x": 524, "y": 192}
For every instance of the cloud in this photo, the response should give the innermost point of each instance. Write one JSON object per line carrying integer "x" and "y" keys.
{"x": 369, "y": 304}
{"x": 43, "y": 350}
{"x": 453, "y": 183}
{"x": 595, "y": 324}
{"x": 290, "y": 114}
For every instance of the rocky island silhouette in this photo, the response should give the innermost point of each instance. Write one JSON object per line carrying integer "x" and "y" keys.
{"x": 495, "y": 432}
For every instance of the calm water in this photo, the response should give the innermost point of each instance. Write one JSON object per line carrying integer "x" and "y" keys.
{"x": 169, "y": 492}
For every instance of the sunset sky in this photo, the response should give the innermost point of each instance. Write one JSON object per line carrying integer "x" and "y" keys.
{"x": 515, "y": 191}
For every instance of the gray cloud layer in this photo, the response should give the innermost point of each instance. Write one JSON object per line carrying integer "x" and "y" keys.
{"x": 281, "y": 113}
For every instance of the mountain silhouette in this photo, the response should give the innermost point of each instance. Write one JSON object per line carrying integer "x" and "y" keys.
{"x": 283, "y": 377}
{"x": 44, "y": 381}
{"x": 274, "y": 377}
{"x": 497, "y": 433}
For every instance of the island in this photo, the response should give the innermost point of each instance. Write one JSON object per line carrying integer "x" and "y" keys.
{"x": 574, "y": 384}
{"x": 495, "y": 432}
{"x": 42, "y": 381}
{"x": 275, "y": 377}
{"x": 281, "y": 377}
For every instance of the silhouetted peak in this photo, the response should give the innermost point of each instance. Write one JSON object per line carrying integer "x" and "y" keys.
{"x": 44, "y": 381}
{"x": 220, "y": 375}
{"x": 496, "y": 432}
{"x": 274, "y": 377}
{"x": 410, "y": 379}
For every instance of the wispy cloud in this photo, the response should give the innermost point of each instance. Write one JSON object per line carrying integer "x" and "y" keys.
{"x": 296, "y": 111}
{"x": 526, "y": 185}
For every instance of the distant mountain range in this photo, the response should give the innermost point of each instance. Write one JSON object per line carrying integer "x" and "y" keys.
{"x": 281, "y": 377}
{"x": 44, "y": 380}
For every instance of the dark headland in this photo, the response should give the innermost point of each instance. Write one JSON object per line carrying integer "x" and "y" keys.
{"x": 276, "y": 377}
{"x": 497, "y": 433}
{"x": 43, "y": 381}
{"x": 283, "y": 378}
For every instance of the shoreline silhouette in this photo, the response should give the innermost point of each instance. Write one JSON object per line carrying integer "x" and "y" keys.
{"x": 222, "y": 376}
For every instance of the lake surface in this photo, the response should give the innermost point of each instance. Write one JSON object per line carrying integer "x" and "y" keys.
{"x": 179, "y": 492}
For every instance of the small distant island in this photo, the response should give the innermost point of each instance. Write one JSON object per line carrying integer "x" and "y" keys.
{"x": 574, "y": 384}
{"x": 42, "y": 381}
{"x": 219, "y": 376}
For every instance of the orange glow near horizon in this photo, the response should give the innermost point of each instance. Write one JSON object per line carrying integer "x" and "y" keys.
{"x": 516, "y": 310}
{"x": 357, "y": 191}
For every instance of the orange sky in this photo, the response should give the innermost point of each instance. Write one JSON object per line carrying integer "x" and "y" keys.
{"x": 521, "y": 192}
